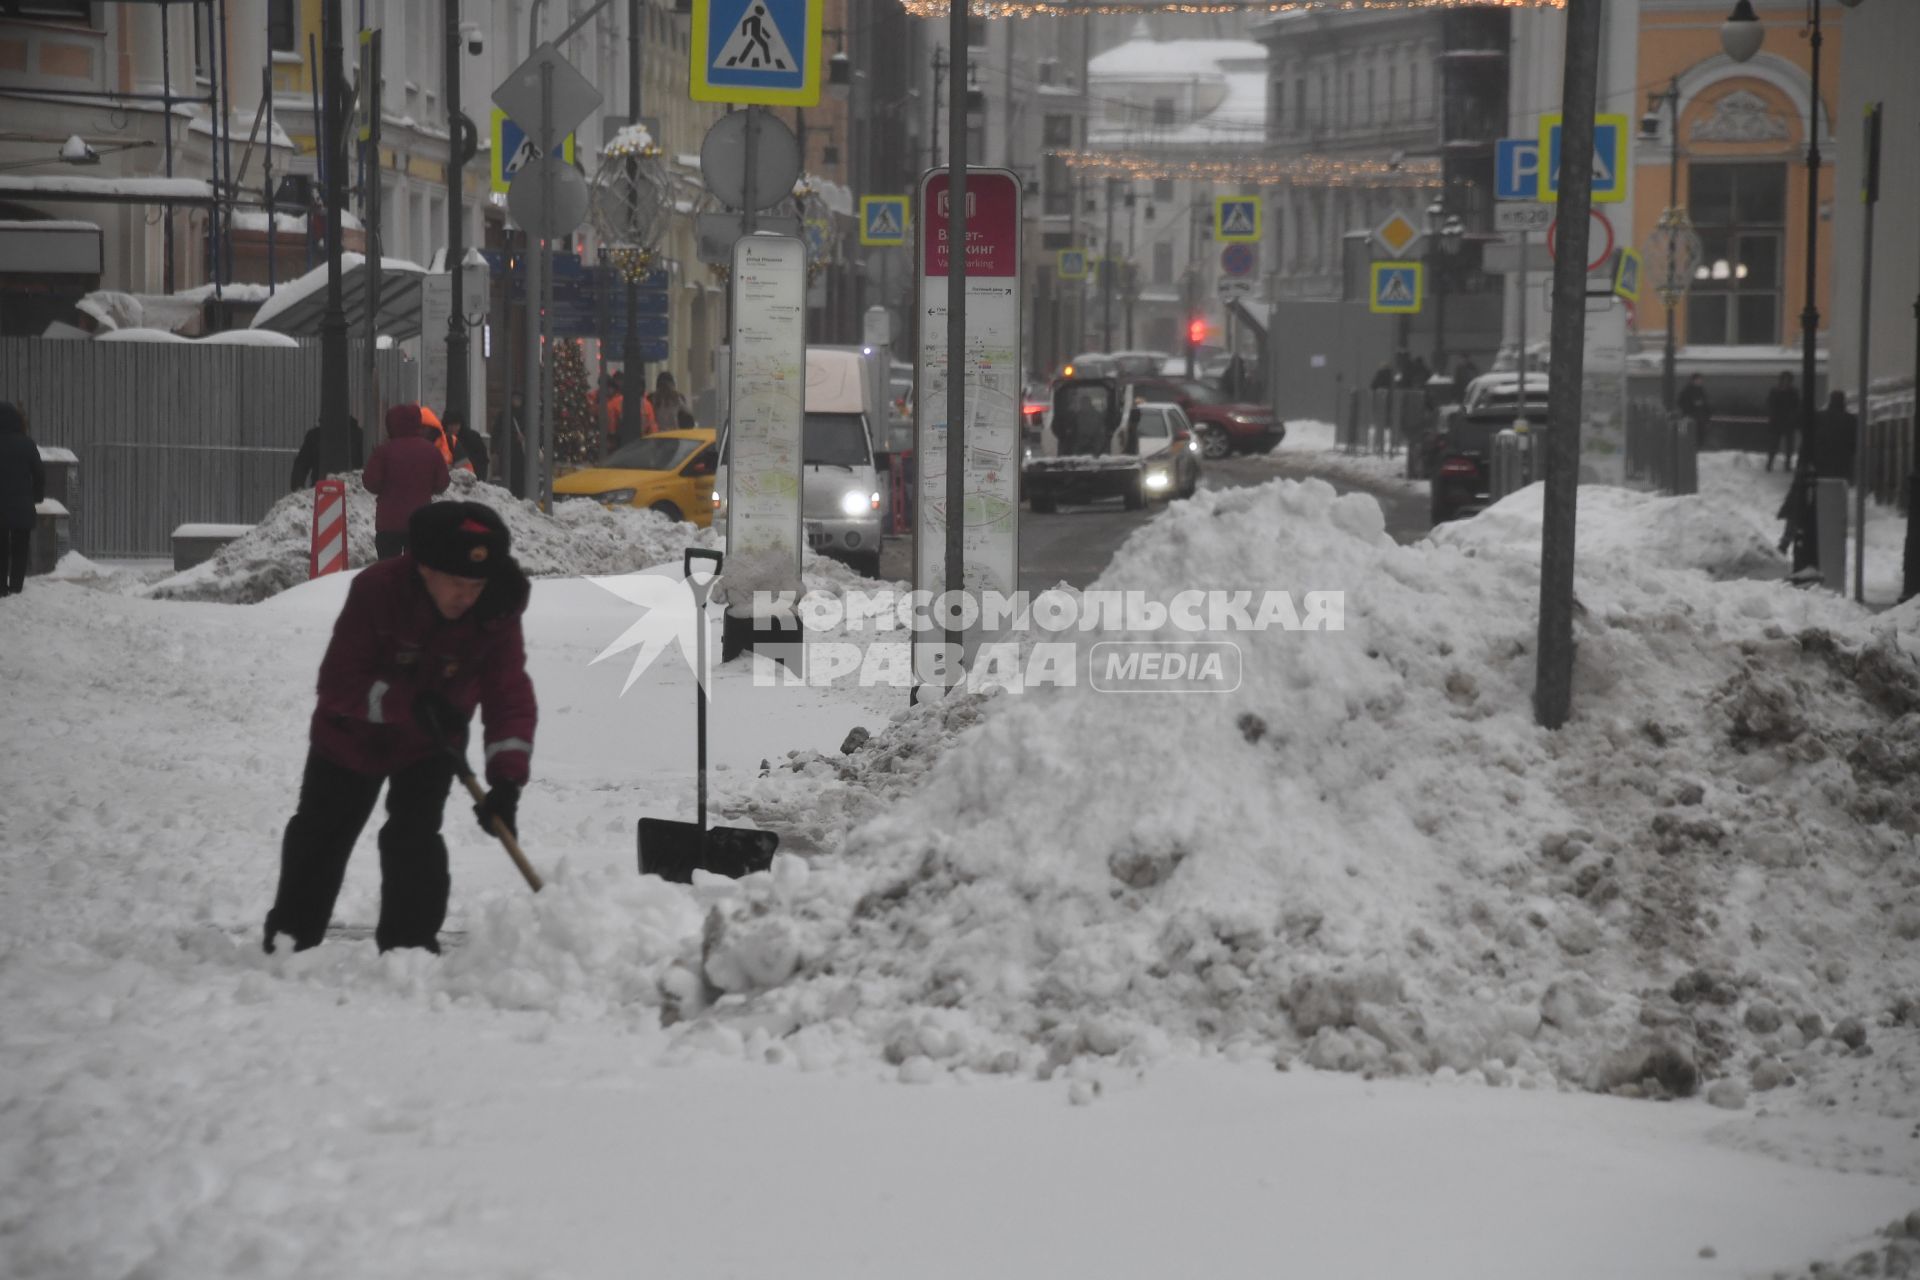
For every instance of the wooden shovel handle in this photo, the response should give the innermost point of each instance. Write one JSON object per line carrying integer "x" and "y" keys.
{"x": 506, "y": 836}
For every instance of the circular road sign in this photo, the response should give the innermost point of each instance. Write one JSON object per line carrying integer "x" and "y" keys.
{"x": 1599, "y": 231}
{"x": 1239, "y": 259}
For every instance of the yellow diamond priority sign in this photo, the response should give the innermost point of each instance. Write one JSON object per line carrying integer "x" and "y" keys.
{"x": 1396, "y": 233}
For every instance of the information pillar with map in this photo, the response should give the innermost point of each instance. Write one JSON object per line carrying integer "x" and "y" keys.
{"x": 767, "y": 395}
{"x": 991, "y": 426}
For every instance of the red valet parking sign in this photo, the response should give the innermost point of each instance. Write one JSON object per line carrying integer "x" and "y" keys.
{"x": 991, "y": 424}
{"x": 993, "y": 223}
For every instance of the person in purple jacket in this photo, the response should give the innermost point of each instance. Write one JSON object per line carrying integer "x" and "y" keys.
{"x": 403, "y": 474}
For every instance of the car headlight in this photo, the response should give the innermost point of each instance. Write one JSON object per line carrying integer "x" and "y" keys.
{"x": 1157, "y": 480}
{"x": 853, "y": 504}
{"x": 615, "y": 497}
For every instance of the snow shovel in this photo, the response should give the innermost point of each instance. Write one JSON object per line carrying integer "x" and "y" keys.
{"x": 675, "y": 850}
{"x": 458, "y": 759}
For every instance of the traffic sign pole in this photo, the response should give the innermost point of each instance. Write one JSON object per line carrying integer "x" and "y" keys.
{"x": 546, "y": 290}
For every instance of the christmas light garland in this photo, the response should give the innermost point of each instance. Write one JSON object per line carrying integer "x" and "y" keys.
{"x": 1128, "y": 8}
{"x": 1254, "y": 170}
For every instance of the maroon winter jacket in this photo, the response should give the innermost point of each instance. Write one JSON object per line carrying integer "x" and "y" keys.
{"x": 391, "y": 644}
{"x": 405, "y": 472}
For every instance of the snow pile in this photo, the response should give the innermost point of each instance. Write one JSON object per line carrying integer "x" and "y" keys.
{"x": 1318, "y": 443}
{"x": 580, "y": 538}
{"x": 1367, "y": 856}
{"x": 1712, "y": 532}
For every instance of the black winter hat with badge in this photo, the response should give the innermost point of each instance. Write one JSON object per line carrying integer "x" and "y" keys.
{"x": 465, "y": 539}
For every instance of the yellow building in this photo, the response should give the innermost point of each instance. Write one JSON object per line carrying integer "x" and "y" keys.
{"x": 1741, "y": 161}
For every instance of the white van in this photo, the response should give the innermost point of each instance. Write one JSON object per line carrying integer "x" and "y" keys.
{"x": 840, "y": 490}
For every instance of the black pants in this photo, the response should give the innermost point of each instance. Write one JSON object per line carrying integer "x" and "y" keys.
{"x": 19, "y": 550}
{"x": 334, "y": 805}
{"x": 389, "y": 545}
{"x": 1782, "y": 443}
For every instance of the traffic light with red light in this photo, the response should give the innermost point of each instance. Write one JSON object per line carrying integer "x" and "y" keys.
{"x": 1197, "y": 331}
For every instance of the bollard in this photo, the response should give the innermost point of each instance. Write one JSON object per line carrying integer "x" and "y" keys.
{"x": 1509, "y": 462}
{"x": 1686, "y": 457}
{"x": 329, "y": 550}
{"x": 1830, "y": 520}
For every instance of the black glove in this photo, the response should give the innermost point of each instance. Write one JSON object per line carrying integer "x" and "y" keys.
{"x": 502, "y": 802}
{"x": 435, "y": 715}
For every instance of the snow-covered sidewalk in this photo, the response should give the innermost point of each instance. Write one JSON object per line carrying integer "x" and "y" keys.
{"x": 1278, "y": 943}
{"x": 1314, "y": 444}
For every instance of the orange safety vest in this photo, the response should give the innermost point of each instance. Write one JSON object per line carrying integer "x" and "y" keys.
{"x": 430, "y": 423}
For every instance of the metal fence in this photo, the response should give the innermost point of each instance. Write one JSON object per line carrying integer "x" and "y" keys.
{"x": 172, "y": 433}
{"x": 1385, "y": 422}
{"x": 1888, "y": 445}
{"x": 1663, "y": 449}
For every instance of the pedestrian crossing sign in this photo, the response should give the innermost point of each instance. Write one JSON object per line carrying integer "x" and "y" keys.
{"x": 1626, "y": 274}
{"x": 883, "y": 220}
{"x": 757, "y": 52}
{"x": 512, "y": 149}
{"x": 1236, "y": 218}
{"x": 1398, "y": 288}
{"x": 1073, "y": 264}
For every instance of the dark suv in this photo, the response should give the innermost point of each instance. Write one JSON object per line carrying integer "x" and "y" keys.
{"x": 1224, "y": 426}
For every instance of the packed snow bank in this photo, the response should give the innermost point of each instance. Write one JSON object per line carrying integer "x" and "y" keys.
{"x": 1317, "y": 444}
{"x": 579, "y": 538}
{"x": 1714, "y": 533}
{"x": 1367, "y": 856}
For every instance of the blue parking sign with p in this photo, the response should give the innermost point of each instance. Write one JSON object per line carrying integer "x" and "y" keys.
{"x": 1516, "y": 169}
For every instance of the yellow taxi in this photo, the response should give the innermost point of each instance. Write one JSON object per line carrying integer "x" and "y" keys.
{"x": 670, "y": 472}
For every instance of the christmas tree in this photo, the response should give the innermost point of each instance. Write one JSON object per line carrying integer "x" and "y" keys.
{"x": 576, "y": 440}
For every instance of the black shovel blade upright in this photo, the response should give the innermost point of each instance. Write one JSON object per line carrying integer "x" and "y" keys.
{"x": 674, "y": 850}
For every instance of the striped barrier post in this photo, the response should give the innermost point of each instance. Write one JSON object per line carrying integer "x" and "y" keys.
{"x": 329, "y": 528}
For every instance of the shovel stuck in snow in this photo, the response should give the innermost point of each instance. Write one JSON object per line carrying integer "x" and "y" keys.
{"x": 675, "y": 850}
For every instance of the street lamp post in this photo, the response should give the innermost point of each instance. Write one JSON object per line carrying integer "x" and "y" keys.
{"x": 1741, "y": 35}
{"x": 1675, "y": 244}
{"x": 1444, "y": 236}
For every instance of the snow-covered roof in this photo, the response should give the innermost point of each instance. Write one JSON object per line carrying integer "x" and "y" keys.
{"x": 229, "y": 292}
{"x": 1146, "y": 59}
{"x": 139, "y": 335}
{"x": 295, "y": 307}
{"x": 47, "y": 224}
{"x": 1238, "y": 66}
{"x": 149, "y": 189}
{"x": 239, "y": 128}
{"x": 250, "y": 338}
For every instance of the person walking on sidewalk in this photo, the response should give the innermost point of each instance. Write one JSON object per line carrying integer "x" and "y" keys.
{"x": 306, "y": 463}
{"x": 422, "y": 641}
{"x": 23, "y": 487}
{"x": 403, "y": 474}
{"x": 1783, "y": 420}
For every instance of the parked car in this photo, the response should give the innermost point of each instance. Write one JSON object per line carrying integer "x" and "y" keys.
{"x": 670, "y": 472}
{"x": 840, "y": 488}
{"x": 1138, "y": 364}
{"x": 1169, "y": 451}
{"x": 1461, "y": 459}
{"x": 1502, "y": 390}
{"x": 1223, "y": 426}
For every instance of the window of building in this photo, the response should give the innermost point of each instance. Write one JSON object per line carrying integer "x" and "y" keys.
{"x": 1373, "y": 87}
{"x": 1162, "y": 113}
{"x": 283, "y": 27}
{"x": 203, "y": 51}
{"x": 1741, "y": 213}
{"x": 1163, "y": 189}
{"x": 1353, "y": 111}
{"x": 1057, "y": 131}
{"x": 1393, "y": 94}
{"x": 1276, "y": 106}
{"x": 1300, "y": 105}
{"x": 47, "y": 11}
{"x": 976, "y": 33}
{"x": 1413, "y": 92}
{"x": 1163, "y": 263}
{"x": 1058, "y": 187}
